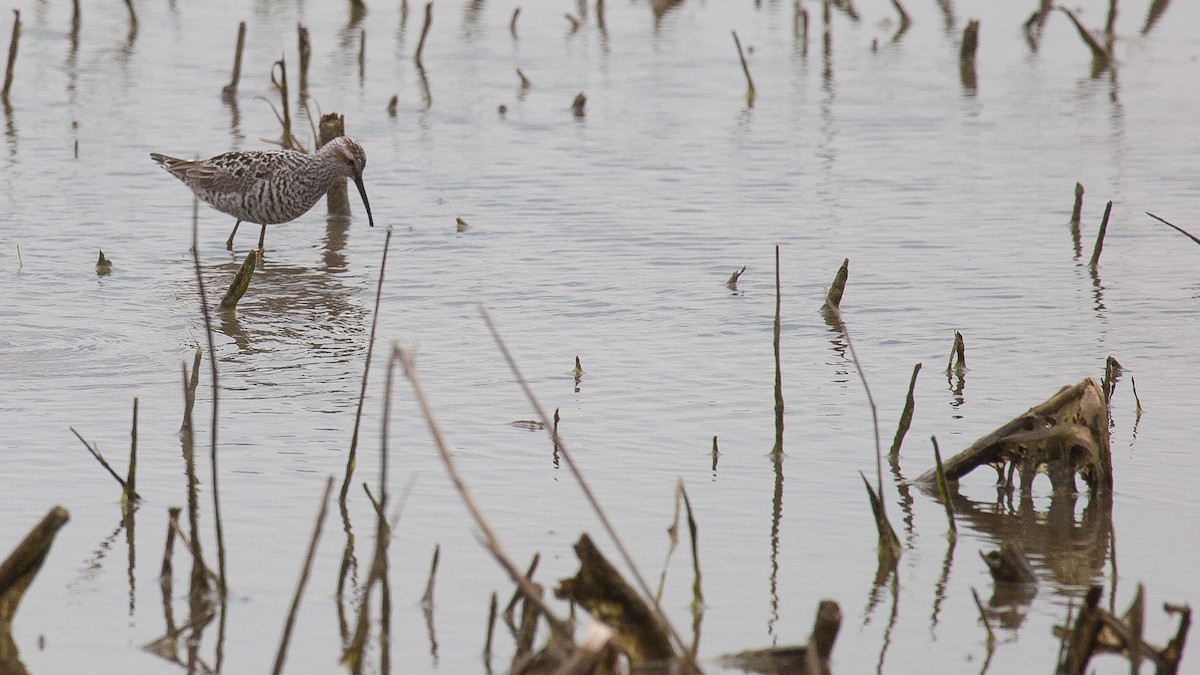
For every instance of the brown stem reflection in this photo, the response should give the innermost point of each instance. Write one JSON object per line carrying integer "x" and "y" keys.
{"x": 1073, "y": 551}
{"x": 776, "y": 517}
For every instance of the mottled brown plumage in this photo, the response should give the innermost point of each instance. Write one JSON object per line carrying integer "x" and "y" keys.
{"x": 271, "y": 186}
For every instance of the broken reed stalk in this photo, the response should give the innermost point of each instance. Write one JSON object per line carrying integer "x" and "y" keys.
{"x": 425, "y": 31}
{"x": 230, "y": 90}
{"x": 1100, "y": 237}
{"x": 21, "y": 566}
{"x": 212, "y": 360}
{"x": 525, "y": 83}
{"x": 491, "y": 542}
{"x": 731, "y": 284}
{"x": 241, "y": 282}
{"x": 833, "y": 298}
{"x": 1111, "y": 22}
{"x": 943, "y": 487}
{"x": 905, "y": 416}
{"x": 1174, "y": 227}
{"x": 362, "y": 392}
{"x": 1101, "y": 57}
{"x": 745, "y": 68}
{"x": 1137, "y": 401}
{"x": 512, "y": 25}
{"x": 970, "y": 44}
{"x": 957, "y": 351}
{"x": 125, "y": 489}
{"x": 1077, "y": 210}
{"x": 337, "y": 200}
{"x": 427, "y": 597}
{"x": 305, "y": 47}
{"x": 775, "y": 335}
{"x": 131, "y": 474}
{"x": 589, "y": 495}
{"x": 167, "y": 571}
{"x": 12, "y": 54}
{"x": 75, "y": 22}
{"x": 305, "y": 570}
{"x": 287, "y": 141}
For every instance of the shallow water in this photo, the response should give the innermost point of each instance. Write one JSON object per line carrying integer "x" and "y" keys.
{"x": 607, "y": 237}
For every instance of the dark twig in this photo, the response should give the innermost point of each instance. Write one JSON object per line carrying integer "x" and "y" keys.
{"x": 745, "y": 69}
{"x": 12, "y": 55}
{"x": 125, "y": 489}
{"x": 1100, "y": 237}
{"x": 362, "y": 392}
{"x": 1182, "y": 231}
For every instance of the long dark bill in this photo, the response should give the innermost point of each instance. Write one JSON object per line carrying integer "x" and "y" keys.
{"x": 363, "y": 192}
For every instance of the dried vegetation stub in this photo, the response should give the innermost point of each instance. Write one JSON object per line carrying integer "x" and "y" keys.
{"x": 1065, "y": 436}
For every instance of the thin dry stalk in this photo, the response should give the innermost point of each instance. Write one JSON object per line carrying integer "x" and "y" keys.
{"x": 889, "y": 543}
{"x": 1111, "y": 22}
{"x": 75, "y": 23}
{"x": 288, "y": 140}
{"x": 745, "y": 68}
{"x": 1100, "y": 237}
{"x": 905, "y": 416}
{"x": 167, "y": 570}
{"x": 131, "y": 475}
{"x": 491, "y": 541}
{"x": 525, "y": 83}
{"x": 1137, "y": 401}
{"x": 1182, "y": 231}
{"x": 943, "y": 488}
{"x": 305, "y": 570}
{"x": 425, "y": 31}
{"x": 12, "y": 54}
{"x": 230, "y": 90}
{"x": 800, "y": 26}
{"x": 212, "y": 360}
{"x": 362, "y": 392}
{"x": 593, "y": 502}
{"x": 125, "y": 488}
{"x": 512, "y": 25}
{"x": 777, "y": 449}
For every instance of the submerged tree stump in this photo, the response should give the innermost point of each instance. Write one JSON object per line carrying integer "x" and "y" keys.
{"x": 1065, "y": 436}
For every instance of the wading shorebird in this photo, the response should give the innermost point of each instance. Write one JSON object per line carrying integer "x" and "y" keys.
{"x": 269, "y": 187}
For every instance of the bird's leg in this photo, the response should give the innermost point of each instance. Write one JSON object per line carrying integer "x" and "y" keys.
{"x": 261, "y": 236}
{"x": 229, "y": 241}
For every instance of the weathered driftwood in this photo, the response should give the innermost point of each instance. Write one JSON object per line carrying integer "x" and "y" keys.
{"x": 599, "y": 588}
{"x": 1097, "y": 630}
{"x": 810, "y": 659}
{"x": 1008, "y": 565}
{"x": 1065, "y": 436}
